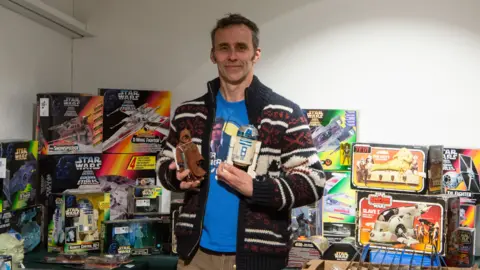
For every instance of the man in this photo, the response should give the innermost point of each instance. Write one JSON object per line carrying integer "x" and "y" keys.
{"x": 230, "y": 219}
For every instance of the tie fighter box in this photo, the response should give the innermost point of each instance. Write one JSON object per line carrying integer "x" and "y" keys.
{"x": 393, "y": 221}
{"x": 135, "y": 121}
{"x": 333, "y": 133}
{"x": 397, "y": 168}
{"x": 69, "y": 123}
{"x": 18, "y": 174}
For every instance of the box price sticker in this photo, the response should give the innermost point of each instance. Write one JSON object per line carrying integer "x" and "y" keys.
{"x": 143, "y": 203}
{"x": 141, "y": 163}
{"x": 121, "y": 230}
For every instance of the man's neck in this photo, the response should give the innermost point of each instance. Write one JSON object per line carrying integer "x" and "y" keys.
{"x": 235, "y": 92}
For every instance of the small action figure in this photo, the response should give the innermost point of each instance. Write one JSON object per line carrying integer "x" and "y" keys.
{"x": 188, "y": 157}
{"x": 138, "y": 237}
{"x": 244, "y": 149}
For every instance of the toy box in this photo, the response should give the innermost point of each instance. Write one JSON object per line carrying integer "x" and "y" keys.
{"x": 136, "y": 121}
{"x": 18, "y": 173}
{"x": 333, "y": 133}
{"x": 435, "y": 169}
{"x": 415, "y": 223}
{"x": 303, "y": 251}
{"x": 55, "y": 223}
{"x": 144, "y": 200}
{"x": 338, "y": 208}
{"x": 121, "y": 171}
{"x": 69, "y": 123}
{"x": 460, "y": 253}
{"x": 134, "y": 237}
{"x": 460, "y": 174}
{"x": 28, "y": 222}
{"x": 84, "y": 213}
{"x": 61, "y": 172}
{"x": 396, "y": 168}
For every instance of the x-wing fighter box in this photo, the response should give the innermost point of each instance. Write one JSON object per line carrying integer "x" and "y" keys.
{"x": 395, "y": 168}
{"x": 338, "y": 208}
{"x": 18, "y": 174}
{"x": 69, "y": 123}
{"x": 119, "y": 172}
{"x": 333, "y": 133}
{"x": 461, "y": 178}
{"x": 84, "y": 213}
{"x": 136, "y": 121}
{"x": 28, "y": 222}
{"x": 406, "y": 221}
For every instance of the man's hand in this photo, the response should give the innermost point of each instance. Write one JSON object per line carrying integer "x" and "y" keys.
{"x": 235, "y": 178}
{"x": 181, "y": 175}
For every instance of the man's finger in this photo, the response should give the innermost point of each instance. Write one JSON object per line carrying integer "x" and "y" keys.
{"x": 185, "y": 185}
{"x": 181, "y": 175}
{"x": 172, "y": 166}
{"x": 225, "y": 175}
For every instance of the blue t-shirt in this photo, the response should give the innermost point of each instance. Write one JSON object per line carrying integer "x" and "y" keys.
{"x": 221, "y": 214}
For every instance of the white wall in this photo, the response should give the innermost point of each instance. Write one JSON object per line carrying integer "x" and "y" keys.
{"x": 33, "y": 59}
{"x": 409, "y": 67}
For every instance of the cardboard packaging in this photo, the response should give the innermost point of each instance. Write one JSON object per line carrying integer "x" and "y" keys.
{"x": 18, "y": 174}
{"x": 415, "y": 223}
{"x": 28, "y": 222}
{"x": 136, "y": 121}
{"x": 333, "y": 133}
{"x": 69, "y": 123}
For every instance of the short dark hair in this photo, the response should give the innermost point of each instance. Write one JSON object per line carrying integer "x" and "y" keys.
{"x": 237, "y": 19}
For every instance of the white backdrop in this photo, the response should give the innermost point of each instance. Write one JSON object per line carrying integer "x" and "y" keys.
{"x": 409, "y": 67}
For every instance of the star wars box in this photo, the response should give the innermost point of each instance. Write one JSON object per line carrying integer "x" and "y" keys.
{"x": 144, "y": 200}
{"x": 396, "y": 168}
{"x": 18, "y": 173}
{"x": 338, "y": 206}
{"x": 135, "y": 237}
{"x": 28, "y": 222}
{"x": 406, "y": 221}
{"x": 136, "y": 121}
{"x": 55, "y": 223}
{"x": 84, "y": 213}
{"x": 121, "y": 171}
{"x": 61, "y": 172}
{"x": 69, "y": 123}
{"x": 460, "y": 252}
{"x": 333, "y": 133}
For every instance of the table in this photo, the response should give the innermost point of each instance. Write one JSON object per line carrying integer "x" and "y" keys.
{"x": 162, "y": 262}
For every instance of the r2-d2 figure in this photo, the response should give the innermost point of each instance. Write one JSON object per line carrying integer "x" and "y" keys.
{"x": 244, "y": 148}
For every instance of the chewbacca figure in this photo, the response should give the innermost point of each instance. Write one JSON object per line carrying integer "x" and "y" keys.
{"x": 189, "y": 157}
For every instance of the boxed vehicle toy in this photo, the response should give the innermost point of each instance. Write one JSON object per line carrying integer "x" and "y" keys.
{"x": 415, "y": 223}
{"x": 396, "y": 168}
{"x": 28, "y": 222}
{"x": 338, "y": 208}
{"x": 134, "y": 237}
{"x": 84, "y": 213}
{"x": 144, "y": 200}
{"x": 69, "y": 123}
{"x": 333, "y": 133}
{"x": 121, "y": 171}
{"x": 136, "y": 121}
{"x": 18, "y": 173}
{"x": 61, "y": 172}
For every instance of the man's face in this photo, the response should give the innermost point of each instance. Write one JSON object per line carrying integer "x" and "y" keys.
{"x": 217, "y": 132}
{"x": 234, "y": 54}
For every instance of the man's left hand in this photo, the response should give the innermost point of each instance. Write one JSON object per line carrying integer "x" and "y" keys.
{"x": 235, "y": 178}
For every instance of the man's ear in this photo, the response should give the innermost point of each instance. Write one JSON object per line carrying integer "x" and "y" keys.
{"x": 256, "y": 55}
{"x": 212, "y": 56}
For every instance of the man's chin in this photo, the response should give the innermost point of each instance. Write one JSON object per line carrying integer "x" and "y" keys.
{"x": 235, "y": 80}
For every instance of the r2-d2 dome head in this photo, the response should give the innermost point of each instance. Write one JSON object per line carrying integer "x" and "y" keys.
{"x": 249, "y": 132}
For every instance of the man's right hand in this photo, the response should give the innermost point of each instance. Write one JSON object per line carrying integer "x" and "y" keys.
{"x": 181, "y": 175}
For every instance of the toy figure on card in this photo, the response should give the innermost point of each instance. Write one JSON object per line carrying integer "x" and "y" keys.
{"x": 188, "y": 157}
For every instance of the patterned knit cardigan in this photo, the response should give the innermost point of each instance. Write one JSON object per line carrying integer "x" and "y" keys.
{"x": 289, "y": 175}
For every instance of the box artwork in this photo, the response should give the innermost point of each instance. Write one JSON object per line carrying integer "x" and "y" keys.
{"x": 121, "y": 171}
{"x": 333, "y": 133}
{"x": 460, "y": 252}
{"x": 394, "y": 168}
{"x": 135, "y": 237}
{"x": 338, "y": 208}
{"x": 55, "y": 223}
{"x": 69, "y": 123}
{"x": 61, "y": 172}
{"x": 144, "y": 200}
{"x": 84, "y": 212}
{"x": 28, "y": 222}
{"x": 136, "y": 121}
{"x": 460, "y": 174}
{"x": 18, "y": 173}
{"x": 415, "y": 223}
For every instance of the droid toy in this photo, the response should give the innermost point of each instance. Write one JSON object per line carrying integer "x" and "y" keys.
{"x": 244, "y": 148}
